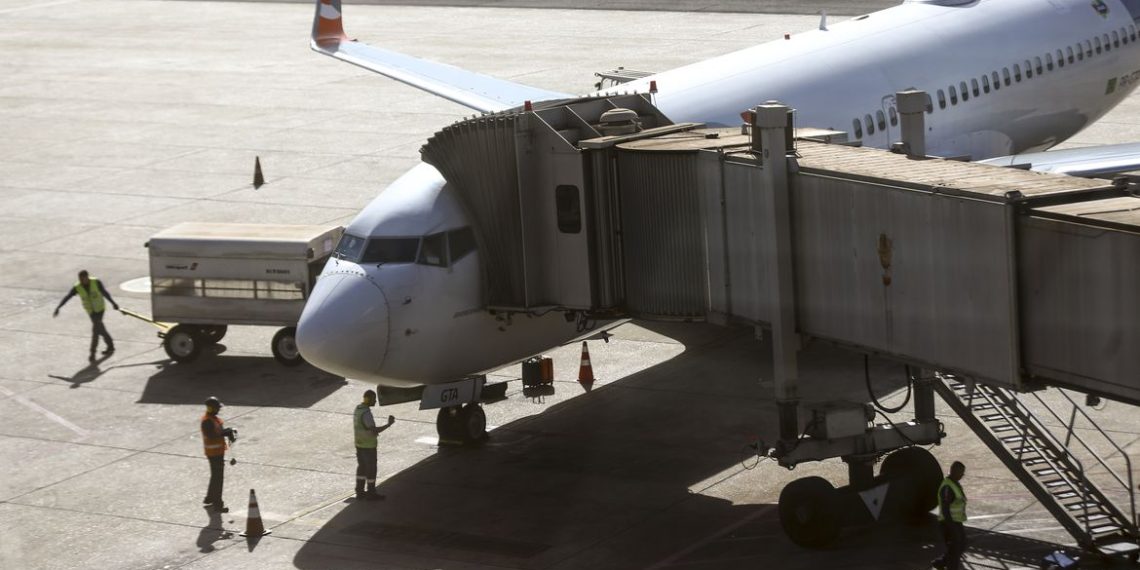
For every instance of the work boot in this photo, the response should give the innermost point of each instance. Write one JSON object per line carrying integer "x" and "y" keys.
{"x": 110, "y": 350}
{"x": 220, "y": 508}
{"x": 373, "y": 496}
{"x": 91, "y": 357}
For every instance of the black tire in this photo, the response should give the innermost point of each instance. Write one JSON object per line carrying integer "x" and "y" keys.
{"x": 472, "y": 423}
{"x": 915, "y": 476}
{"x": 285, "y": 347}
{"x": 182, "y": 343}
{"x": 213, "y": 334}
{"x": 807, "y": 512}
{"x": 447, "y": 425}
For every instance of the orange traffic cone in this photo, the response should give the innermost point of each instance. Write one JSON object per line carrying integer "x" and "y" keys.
{"x": 586, "y": 371}
{"x": 253, "y": 526}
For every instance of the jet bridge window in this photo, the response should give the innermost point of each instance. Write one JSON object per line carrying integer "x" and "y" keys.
{"x": 349, "y": 248}
{"x": 433, "y": 251}
{"x": 858, "y": 128}
{"x": 460, "y": 243}
{"x": 391, "y": 250}
{"x": 974, "y": 85}
{"x": 985, "y": 83}
{"x": 569, "y": 209}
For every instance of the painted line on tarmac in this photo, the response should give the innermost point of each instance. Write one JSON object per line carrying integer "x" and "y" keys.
{"x": 37, "y": 6}
{"x": 711, "y": 538}
{"x": 45, "y": 412}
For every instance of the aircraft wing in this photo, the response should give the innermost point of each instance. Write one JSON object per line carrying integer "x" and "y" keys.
{"x": 480, "y": 92}
{"x": 1088, "y": 162}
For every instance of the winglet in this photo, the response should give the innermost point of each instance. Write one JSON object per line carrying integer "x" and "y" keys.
{"x": 328, "y": 27}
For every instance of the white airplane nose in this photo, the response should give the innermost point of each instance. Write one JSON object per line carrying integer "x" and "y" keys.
{"x": 344, "y": 327}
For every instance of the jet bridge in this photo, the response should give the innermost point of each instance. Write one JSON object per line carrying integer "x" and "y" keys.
{"x": 1002, "y": 278}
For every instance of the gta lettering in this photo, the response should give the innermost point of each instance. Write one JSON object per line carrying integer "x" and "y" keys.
{"x": 449, "y": 395}
{"x": 1130, "y": 79}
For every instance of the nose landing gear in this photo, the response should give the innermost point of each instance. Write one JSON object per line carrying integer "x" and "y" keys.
{"x": 462, "y": 424}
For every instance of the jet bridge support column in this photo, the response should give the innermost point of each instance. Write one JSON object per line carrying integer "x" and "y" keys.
{"x": 773, "y": 214}
{"x": 912, "y": 106}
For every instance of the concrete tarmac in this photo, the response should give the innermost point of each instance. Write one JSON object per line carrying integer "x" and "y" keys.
{"x": 123, "y": 117}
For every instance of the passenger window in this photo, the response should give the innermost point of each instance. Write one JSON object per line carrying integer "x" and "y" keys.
{"x": 870, "y": 125}
{"x": 882, "y": 120}
{"x": 349, "y": 248}
{"x": 1040, "y": 69}
{"x": 1060, "y": 60}
{"x": 1107, "y": 43}
{"x": 965, "y": 91}
{"x": 1115, "y": 39}
{"x": 997, "y": 81}
{"x": 1017, "y": 73}
{"x": 1124, "y": 36}
{"x": 1089, "y": 48}
{"x": 929, "y": 104}
{"x": 1069, "y": 52}
{"x": 858, "y": 128}
{"x": 434, "y": 251}
{"x": 894, "y": 116}
{"x": 974, "y": 85}
{"x": 941, "y": 99}
{"x": 1005, "y": 72}
{"x": 953, "y": 95}
{"x": 569, "y": 209}
{"x": 986, "y": 83}
{"x": 391, "y": 250}
{"x": 1028, "y": 70}
{"x": 1132, "y": 32}
{"x": 460, "y": 243}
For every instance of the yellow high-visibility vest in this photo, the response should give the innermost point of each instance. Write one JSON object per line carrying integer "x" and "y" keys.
{"x": 958, "y": 506}
{"x": 365, "y": 437}
{"x": 92, "y": 298}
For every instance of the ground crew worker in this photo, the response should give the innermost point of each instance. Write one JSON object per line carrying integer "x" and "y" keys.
{"x": 952, "y": 516}
{"x": 365, "y": 430}
{"x": 92, "y": 292}
{"x": 214, "y": 436}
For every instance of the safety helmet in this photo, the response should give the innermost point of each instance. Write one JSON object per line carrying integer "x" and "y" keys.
{"x": 213, "y": 401}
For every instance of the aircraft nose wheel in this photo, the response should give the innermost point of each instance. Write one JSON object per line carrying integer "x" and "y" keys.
{"x": 461, "y": 425}
{"x": 808, "y": 512}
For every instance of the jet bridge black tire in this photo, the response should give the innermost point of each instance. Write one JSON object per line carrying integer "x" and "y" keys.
{"x": 915, "y": 475}
{"x": 213, "y": 334}
{"x": 285, "y": 347}
{"x": 808, "y": 512}
{"x": 182, "y": 343}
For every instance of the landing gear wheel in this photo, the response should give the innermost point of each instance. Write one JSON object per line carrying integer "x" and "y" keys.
{"x": 447, "y": 425}
{"x": 182, "y": 343}
{"x": 915, "y": 476}
{"x": 472, "y": 423}
{"x": 213, "y": 334}
{"x": 285, "y": 347}
{"x": 807, "y": 512}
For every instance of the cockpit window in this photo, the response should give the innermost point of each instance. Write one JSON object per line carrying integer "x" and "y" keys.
{"x": 349, "y": 248}
{"x": 434, "y": 251}
{"x": 461, "y": 242}
{"x": 391, "y": 250}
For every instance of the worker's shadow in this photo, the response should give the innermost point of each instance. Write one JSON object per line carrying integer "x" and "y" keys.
{"x": 93, "y": 371}
{"x": 212, "y": 532}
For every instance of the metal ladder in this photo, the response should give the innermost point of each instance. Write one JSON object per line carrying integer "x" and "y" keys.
{"x": 1047, "y": 467}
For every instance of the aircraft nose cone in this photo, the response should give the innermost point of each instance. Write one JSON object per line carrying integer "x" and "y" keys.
{"x": 344, "y": 327}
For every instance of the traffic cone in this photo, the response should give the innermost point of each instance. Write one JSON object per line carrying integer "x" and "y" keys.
{"x": 258, "y": 179}
{"x": 586, "y": 371}
{"x": 253, "y": 526}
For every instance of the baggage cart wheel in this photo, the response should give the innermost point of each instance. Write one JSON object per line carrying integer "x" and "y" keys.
{"x": 182, "y": 343}
{"x": 213, "y": 334}
{"x": 285, "y": 347}
{"x": 807, "y": 512}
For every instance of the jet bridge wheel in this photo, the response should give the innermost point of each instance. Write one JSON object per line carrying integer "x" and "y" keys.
{"x": 808, "y": 512}
{"x": 285, "y": 347}
{"x": 915, "y": 476}
{"x": 182, "y": 343}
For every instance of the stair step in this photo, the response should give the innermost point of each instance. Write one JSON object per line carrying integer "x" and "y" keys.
{"x": 1033, "y": 461}
{"x": 1066, "y": 494}
{"x": 1079, "y": 506}
{"x": 983, "y": 406}
{"x": 1023, "y": 450}
{"x": 1015, "y": 438}
{"x": 1092, "y": 517}
{"x": 1056, "y": 483}
{"x": 1118, "y": 548}
{"x": 1044, "y": 472}
{"x": 1002, "y": 429}
{"x": 1104, "y": 528}
{"x": 992, "y": 417}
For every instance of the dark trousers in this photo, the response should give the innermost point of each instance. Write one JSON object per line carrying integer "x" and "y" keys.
{"x": 98, "y": 330}
{"x": 217, "y": 478}
{"x": 365, "y": 469}
{"x": 954, "y": 534}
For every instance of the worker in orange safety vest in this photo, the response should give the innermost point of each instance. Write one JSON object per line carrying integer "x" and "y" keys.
{"x": 214, "y": 436}
{"x": 91, "y": 292}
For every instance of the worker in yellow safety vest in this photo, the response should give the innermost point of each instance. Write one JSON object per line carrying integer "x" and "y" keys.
{"x": 365, "y": 431}
{"x": 952, "y": 518}
{"x": 214, "y": 436}
{"x": 91, "y": 292}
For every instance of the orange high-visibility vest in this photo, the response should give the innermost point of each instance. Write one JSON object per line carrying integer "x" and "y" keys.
{"x": 215, "y": 446}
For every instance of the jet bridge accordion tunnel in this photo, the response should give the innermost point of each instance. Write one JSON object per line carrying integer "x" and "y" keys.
{"x": 604, "y": 206}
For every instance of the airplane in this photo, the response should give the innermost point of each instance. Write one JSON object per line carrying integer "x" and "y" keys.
{"x": 401, "y": 303}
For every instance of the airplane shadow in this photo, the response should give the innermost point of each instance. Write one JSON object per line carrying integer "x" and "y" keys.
{"x": 623, "y": 477}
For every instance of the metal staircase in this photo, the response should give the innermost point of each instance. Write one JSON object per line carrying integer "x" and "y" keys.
{"x": 1048, "y": 467}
